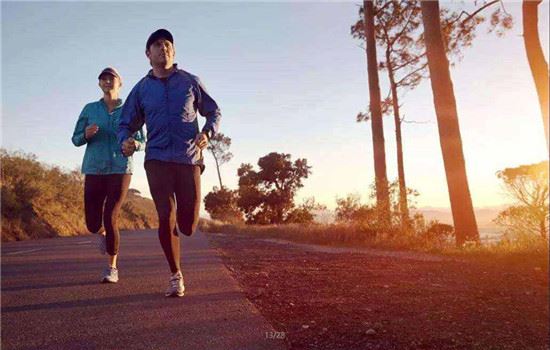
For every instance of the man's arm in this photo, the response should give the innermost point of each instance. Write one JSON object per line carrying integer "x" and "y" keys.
{"x": 131, "y": 119}
{"x": 208, "y": 108}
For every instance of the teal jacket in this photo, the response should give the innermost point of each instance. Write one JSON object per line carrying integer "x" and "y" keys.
{"x": 103, "y": 154}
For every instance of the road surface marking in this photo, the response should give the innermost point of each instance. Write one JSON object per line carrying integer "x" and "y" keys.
{"x": 84, "y": 242}
{"x": 23, "y": 251}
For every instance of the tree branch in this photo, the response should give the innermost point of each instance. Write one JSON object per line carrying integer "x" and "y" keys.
{"x": 400, "y": 82}
{"x": 470, "y": 16}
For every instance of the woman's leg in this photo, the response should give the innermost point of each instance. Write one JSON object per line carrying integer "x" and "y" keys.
{"x": 95, "y": 192}
{"x": 161, "y": 177}
{"x": 117, "y": 188}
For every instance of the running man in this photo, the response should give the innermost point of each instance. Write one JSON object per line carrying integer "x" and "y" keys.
{"x": 167, "y": 100}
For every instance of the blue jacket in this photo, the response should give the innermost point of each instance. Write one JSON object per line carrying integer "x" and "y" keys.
{"x": 169, "y": 109}
{"x": 103, "y": 154}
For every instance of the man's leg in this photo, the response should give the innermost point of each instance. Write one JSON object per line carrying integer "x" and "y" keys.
{"x": 161, "y": 177}
{"x": 188, "y": 197}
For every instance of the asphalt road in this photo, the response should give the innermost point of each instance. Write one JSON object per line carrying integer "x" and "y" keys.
{"x": 52, "y": 298}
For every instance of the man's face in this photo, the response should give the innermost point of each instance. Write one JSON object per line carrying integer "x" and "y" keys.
{"x": 109, "y": 83}
{"x": 161, "y": 53}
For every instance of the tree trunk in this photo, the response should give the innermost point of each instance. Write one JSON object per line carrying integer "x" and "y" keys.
{"x": 381, "y": 181}
{"x": 218, "y": 168}
{"x": 403, "y": 205}
{"x": 535, "y": 56}
{"x": 449, "y": 130}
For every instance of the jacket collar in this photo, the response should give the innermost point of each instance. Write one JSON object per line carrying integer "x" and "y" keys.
{"x": 118, "y": 103}
{"x": 150, "y": 73}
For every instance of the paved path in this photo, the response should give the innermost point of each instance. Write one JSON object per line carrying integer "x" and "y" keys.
{"x": 51, "y": 298}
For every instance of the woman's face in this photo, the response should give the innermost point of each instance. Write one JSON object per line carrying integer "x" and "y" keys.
{"x": 109, "y": 83}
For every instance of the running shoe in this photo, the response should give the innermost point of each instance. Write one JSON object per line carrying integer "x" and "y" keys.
{"x": 110, "y": 275}
{"x": 176, "y": 288}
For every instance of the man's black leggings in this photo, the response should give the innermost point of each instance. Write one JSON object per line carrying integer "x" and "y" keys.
{"x": 103, "y": 197}
{"x": 176, "y": 191}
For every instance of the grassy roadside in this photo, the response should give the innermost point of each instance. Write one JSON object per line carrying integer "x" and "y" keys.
{"x": 344, "y": 235}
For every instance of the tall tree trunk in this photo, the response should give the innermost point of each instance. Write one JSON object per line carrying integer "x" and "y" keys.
{"x": 218, "y": 168}
{"x": 403, "y": 205}
{"x": 449, "y": 130}
{"x": 535, "y": 56}
{"x": 381, "y": 181}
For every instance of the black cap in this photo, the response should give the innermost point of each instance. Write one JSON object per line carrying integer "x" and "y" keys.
{"x": 159, "y": 34}
{"x": 111, "y": 71}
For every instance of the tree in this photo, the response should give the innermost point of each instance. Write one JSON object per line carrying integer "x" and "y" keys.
{"x": 448, "y": 126}
{"x": 221, "y": 204}
{"x": 219, "y": 147}
{"x": 267, "y": 196}
{"x": 528, "y": 186}
{"x": 396, "y": 28}
{"x": 382, "y": 196}
{"x": 535, "y": 56}
{"x": 303, "y": 214}
{"x": 351, "y": 210}
{"x": 396, "y": 202}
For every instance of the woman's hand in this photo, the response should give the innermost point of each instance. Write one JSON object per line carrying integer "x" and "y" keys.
{"x": 129, "y": 146}
{"x": 91, "y": 131}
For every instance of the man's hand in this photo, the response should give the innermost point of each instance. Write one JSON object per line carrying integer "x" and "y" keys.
{"x": 91, "y": 131}
{"x": 201, "y": 140}
{"x": 129, "y": 146}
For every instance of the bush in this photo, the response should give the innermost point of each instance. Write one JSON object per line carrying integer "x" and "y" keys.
{"x": 438, "y": 233}
{"x": 528, "y": 186}
{"x": 221, "y": 204}
{"x": 41, "y": 201}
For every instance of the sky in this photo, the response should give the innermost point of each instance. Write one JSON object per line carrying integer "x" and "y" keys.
{"x": 288, "y": 78}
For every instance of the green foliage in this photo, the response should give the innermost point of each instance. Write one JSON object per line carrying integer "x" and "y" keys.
{"x": 351, "y": 210}
{"x": 219, "y": 147}
{"x": 267, "y": 196}
{"x": 221, "y": 204}
{"x": 528, "y": 186}
{"x": 438, "y": 232}
{"x": 44, "y": 201}
{"x": 304, "y": 213}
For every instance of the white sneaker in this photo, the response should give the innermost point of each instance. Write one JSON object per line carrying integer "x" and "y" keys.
{"x": 110, "y": 275}
{"x": 102, "y": 243}
{"x": 176, "y": 288}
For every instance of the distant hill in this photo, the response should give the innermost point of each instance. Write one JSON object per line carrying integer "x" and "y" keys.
{"x": 41, "y": 201}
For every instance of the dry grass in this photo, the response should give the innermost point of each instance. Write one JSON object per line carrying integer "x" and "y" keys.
{"x": 41, "y": 201}
{"x": 349, "y": 235}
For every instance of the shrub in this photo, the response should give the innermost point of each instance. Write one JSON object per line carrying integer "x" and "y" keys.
{"x": 221, "y": 204}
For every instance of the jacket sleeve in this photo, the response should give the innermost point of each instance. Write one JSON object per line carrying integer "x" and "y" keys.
{"x": 208, "y": 108}
{"x": 80, "y": 128}
{"x": 131, "y": 116}
{"x": 139, "y": 136}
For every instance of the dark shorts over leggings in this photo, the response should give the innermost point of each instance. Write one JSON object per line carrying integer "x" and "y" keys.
{"x": 103, "y": 197}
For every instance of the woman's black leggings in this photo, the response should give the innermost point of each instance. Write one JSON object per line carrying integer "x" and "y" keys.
{"x": 103, "y": 197}
{"x": 176, "y": 190}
